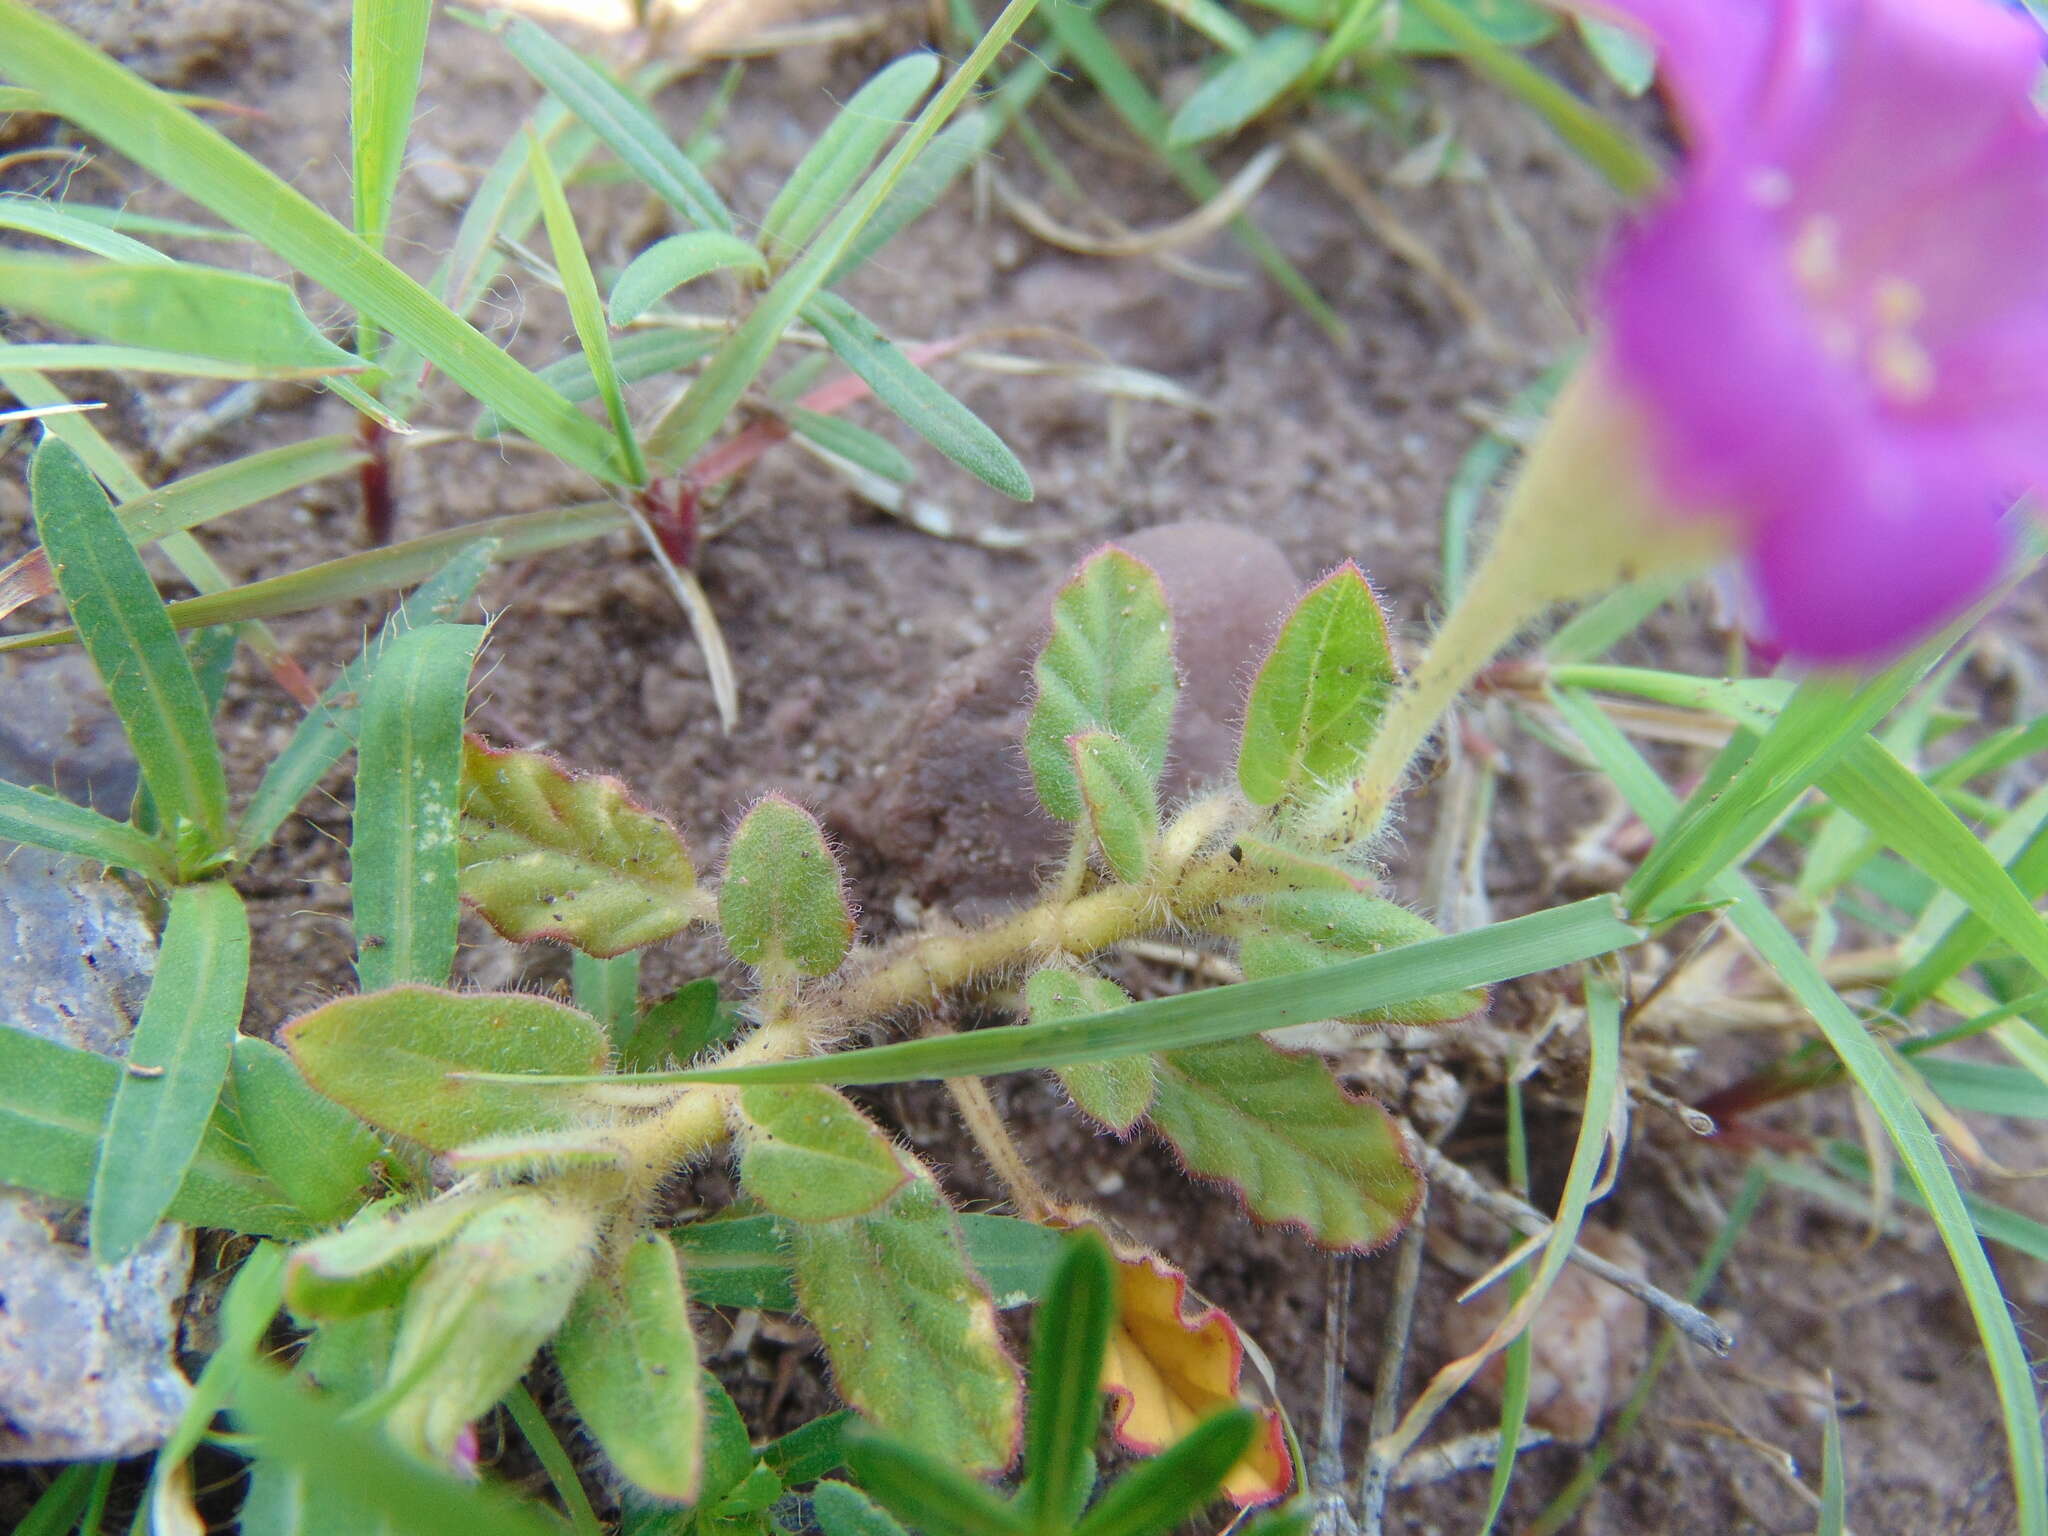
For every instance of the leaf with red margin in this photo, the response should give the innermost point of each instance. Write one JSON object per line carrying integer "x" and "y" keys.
{"x": 1300, "y": 1150}
{"x": 1168, "y": 1367}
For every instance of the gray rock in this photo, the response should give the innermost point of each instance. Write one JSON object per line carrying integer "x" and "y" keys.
{"x": 954, "y": 814}
{"x": 85, "y": 1353}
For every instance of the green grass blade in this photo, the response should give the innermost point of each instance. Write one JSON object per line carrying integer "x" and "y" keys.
{"x": 44, "y": 820}
{"x": 109, "y": 357}
{"x": 619, "y": 118}
{"x": 176, "y": 1065}
{"x": 374, "y": 570}
{"x": 1518, "y": 1357}
{"x": 245, "y": 1314}
{"x": 329, "y": 730}
{"x": 636, "y": 355}
{"x": 554, "y": 1460}
{"x": 53, "y": 221}
{"x": 695, "y": 418}
{"x": 143, "y": 123}
{"x": 53, "y": 1114}
{"x": 1245, "y": 87}
{"x": 1076, "y": 30}
{"x": 387, "y": 45}
{"x": 1997, "y": 1222}
{"x": 1609, "y": 150}
{"x": 1948, "y": 935}
{"x": 964, "y": 141}
{"x": 925, "y": 407}
{"x": 403, "y": 856}
{"x": 668, "y": 264}
{"x": 1481, "y": 957}
{"x": 844, "y": 153}
{"x": 56, "y": 1512}
{"x": 191, "y": 311}
{"x": 1867, "y": 1063}
{"x": 1752, "y": 784}
{"x": 586, "y": 308}
{"x": 1065, "y": 1408}
{"x": 1908, "y": 817}
{"x": 135, "y": 650}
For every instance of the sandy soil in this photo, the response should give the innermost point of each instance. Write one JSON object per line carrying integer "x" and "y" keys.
{"x": 842, "y": 620}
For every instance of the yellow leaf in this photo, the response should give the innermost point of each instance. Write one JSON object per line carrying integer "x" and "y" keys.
{"x": 1173, "y": 1360}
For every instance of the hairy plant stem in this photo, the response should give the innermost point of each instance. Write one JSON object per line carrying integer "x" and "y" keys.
{"x": 920, "y": 969}
{"x": 1584, "y": 515}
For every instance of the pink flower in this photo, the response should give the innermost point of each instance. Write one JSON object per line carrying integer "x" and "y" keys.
{"x": 1836, "y": 323}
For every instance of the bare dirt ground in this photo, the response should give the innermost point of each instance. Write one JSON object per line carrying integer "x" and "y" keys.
{"x": 842, "y": 619}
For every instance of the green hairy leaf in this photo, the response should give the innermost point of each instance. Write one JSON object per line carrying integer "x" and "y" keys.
{"x": 387, "y": 1056}
{"x": 841, "y": 1510}
{"x": 857, "y": 445}
{"x": 908, "y": 1328}
{"x": 925, "y": 406}
{"x": 1317, "y": 701}
{"x": 935, "y": 1496}
{"x": 403, "y": 856}
{"x": 629, "y": 1359}
{"x": 228, "y": 317}
{"x": 147, "y": 675}
{"x": 488, "y": 1298}
{"x": 936, "y": 168}
{"x": 43, "y": 820}
{"x": 1115, "y": 1093}
{"x": 843, "y": 153}
{"x": 668, "y": 264}
{"x": 367, "y": 1265}
{"x": 1245, "y": 87}
{"x": 811, "y": 1156}
{"x": 549, "y": 854}
{"x": 319, "y": 1154}
{"x": 690, "y": 1021}
{"x": 1120, "y": 801}
{"x": 1068, "y": 1344}
{"x": 1307, "y": 930}
{"x": 783, "y": 906}
{"x": 1299, "y": 1148}
{"x": 176, "y": 1064}
{"x": 1107, "y": 666}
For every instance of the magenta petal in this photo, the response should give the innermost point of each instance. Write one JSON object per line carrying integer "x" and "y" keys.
{"x": 1840, "y": 586}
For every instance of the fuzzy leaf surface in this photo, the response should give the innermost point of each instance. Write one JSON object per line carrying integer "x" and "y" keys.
{"x": 782, "y": 904}
{"x": 1120, "y": 800}
{"x": 322, "y": 1156}
{"x": 842, "y": 154}
{"x": 811, "y": 1156}
{"x": 388, "y": 1055}
{"x": 908, "y": 1327}
{"x": 549, "y": 854}
{"x": 1245, "y": 87}
{"x": 1317, "y": 701}
{"x": 366, "y": 1266}
{"x": 1299, "y": 1149}
{"x": 1172, "y": 1361}
{"x": 1107, "y": 666}
{"x": 1116, "y": 1092}
{"x": 668, "y": 264}
{"x": 629, "y": 1358}
{"x": 1306, "y": 930}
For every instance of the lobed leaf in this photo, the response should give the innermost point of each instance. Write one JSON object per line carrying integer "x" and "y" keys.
{"x": 782, "y": 905}
{"x": 1107, "y": 665}
{"x": 668, "y": 264}
{"x": 1116, "y": 1093}
{"x": 1120, "y": 800}
{"x": 388, "y": 1056}
{"x": 403, "y": 853}
{"x": 1317, "y": 701}
{"x": 1299, "y": 1149}
{"x": 809, "y": 1155}
{"x": 135, "y": 650}
{"x": 177, "y": 1062}
{"x": 548, "y": 854}
{"x": 845, "y": 152}
{"x": 629, "y": 1359}
{"x": 909, "y": 1330}
{"x": 1302, "y": 931}
{"x": 925, "y": 406}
